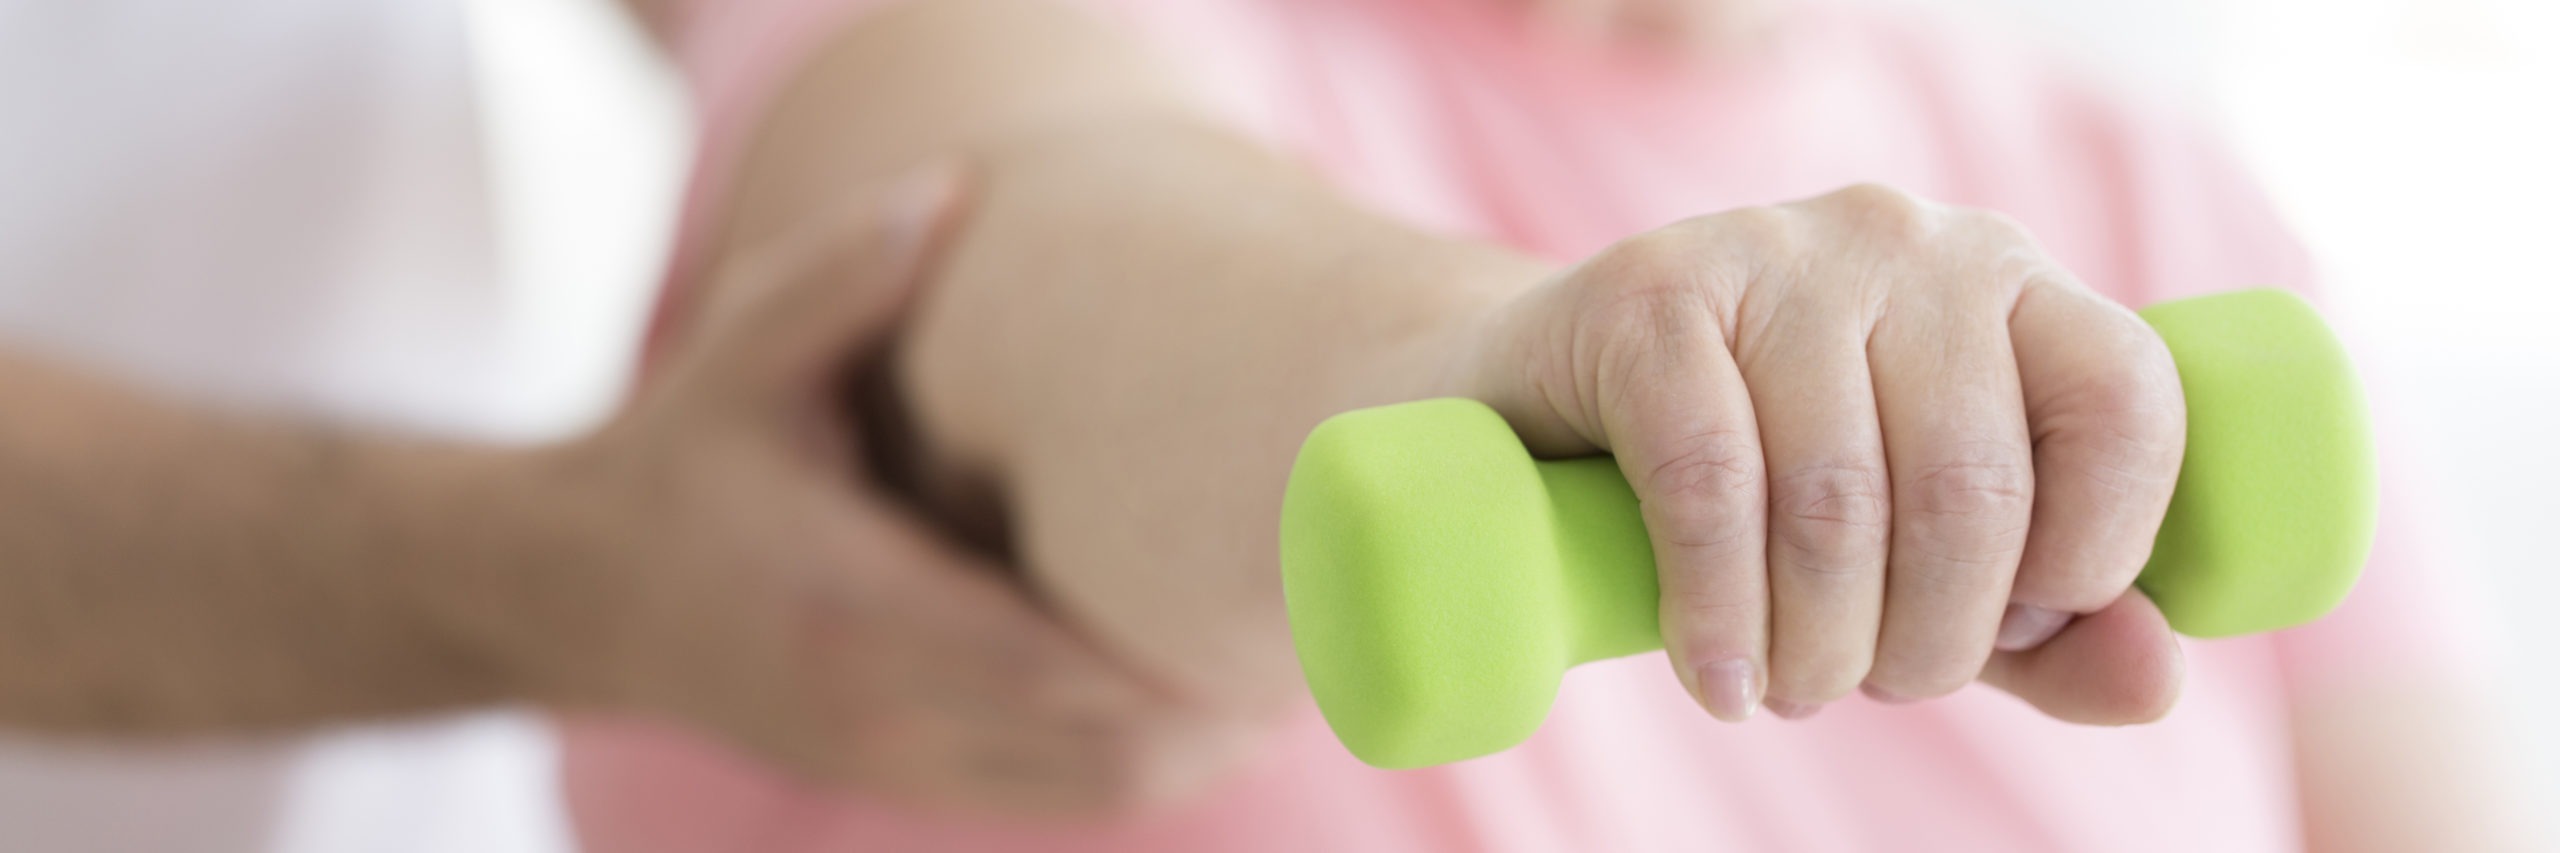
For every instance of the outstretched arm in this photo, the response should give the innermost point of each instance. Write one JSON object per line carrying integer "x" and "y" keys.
{"x": 1146, "y": 313}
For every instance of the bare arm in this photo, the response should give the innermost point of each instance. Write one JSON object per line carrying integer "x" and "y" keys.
{"x": 1110, "y": 219}
{"x": 1146, "y": 312}
{"x": 169, "y": 570}
{"x": 709, "y": 558}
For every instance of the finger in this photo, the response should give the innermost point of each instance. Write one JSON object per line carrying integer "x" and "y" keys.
{"x": 795, "y": 309}
{"x": 1001, "y": 707}
{"x": 1955, "y": 437}
{"x": 2117, "y": 666}
{"x": 960, "y": 690}
{"x": 982, "y": 646}
{"x": 1675, "y": 411}
{"x": 2109, "y": 425}
{"x": 1829, "y": 509}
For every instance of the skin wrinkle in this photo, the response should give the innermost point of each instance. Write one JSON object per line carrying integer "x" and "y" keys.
{"x": 1850, "y": 511}
{"x": 1717, "y": 463}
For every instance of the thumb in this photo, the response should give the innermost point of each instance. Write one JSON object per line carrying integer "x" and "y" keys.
{"x": 2118, "y": 666}
{"x": 787, "y": 314}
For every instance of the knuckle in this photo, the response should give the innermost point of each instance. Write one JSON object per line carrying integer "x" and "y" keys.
{"x": 1999, "y": 228}
{"x": 1656, "y": 310}
{"x": 1702, "y": 490}
{"x": 1830, "y": 519}
{"x": 2121, "y": 460}
{"x": 1713, "y": 465}
{"x": 2141, "y": 409}
{"x": 1885, "y": 211}
{"x": 2005, "y": 255}
{"x": 1665, "y": 258}
{"x": 2137, "y": 410}
{"x": 1995, "y": 493}
{"x": 1657, "y": 284}
{"x": 1767, "y": 230}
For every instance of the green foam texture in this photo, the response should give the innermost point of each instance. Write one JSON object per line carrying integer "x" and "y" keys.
{"x": 1440, "y": 580}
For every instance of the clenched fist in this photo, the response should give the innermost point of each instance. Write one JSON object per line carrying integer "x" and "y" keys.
{"x": 1876, "y": 439}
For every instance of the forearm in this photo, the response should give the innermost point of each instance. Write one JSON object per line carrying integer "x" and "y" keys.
{"x": 1131, "y": 278}
{"x": 1140, "y": 324}
{"x": 1115, "y": 269}
{"x": 169, "y": 571}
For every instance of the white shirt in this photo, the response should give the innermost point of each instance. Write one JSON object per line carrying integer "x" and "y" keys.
{"x": 288, "y": 205}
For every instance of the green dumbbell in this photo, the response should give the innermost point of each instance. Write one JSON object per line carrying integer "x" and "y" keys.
{"x": 1440, "y": 581}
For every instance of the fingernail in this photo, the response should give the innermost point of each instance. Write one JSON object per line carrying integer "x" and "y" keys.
{"x": 1884, "y": 696}
{"x": 1792, "y": 710}
{"x": 913, "y": 205}
{"x": 2027, "y": 626}
{"x": 1729, "y": 689}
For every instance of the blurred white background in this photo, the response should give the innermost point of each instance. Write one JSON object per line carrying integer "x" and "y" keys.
{"x": 2415, "y": 144}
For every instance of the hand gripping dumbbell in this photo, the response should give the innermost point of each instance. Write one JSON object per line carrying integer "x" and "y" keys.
{"x": 1440, "y": 581}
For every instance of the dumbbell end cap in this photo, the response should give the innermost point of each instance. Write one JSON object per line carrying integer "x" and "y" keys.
{"x": 2276, "y": 500}
{"x": 1418, "y": 557}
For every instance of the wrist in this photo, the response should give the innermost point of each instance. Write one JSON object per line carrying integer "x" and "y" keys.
{"x": 1453, "y": 293}
{"x": 515, "y": 584}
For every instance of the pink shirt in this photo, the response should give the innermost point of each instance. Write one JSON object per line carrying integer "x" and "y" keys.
{"x": 1448, "y": 113}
